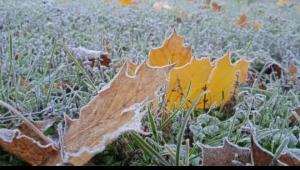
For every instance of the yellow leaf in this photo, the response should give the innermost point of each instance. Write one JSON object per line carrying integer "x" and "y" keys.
{"x": 222, "y": 82}
{"x": 243, "y": 66}
{"x": 126, "y": 2}
{"x": 195, "y": 74}
{"x": 171, "y": 52}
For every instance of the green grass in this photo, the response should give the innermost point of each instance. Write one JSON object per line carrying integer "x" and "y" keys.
{"x": 39, "y": 77}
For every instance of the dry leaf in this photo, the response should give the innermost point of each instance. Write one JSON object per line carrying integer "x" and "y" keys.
{"x": 172, "y": 51}
{"x": 243, "y": 21}
{"x": 227, "y": 155}
{"x": 256, "y": 25}
{"x": 275, "y": 69}
{"x": 262, "y": 157}
{"x": 195, "y": 74}
{"x": 295, "y": 116}
{"x": 289, "y": 159}
{"x": 216, "y": 7}
{"x": 224, "y": 80}
{"x": 91, "y": 57}
{"x": 292, "y": 70}
{"x": 282, "y": 2}
{"x": 115, "y": 110}
{"x": 298, "y": 8}
{"x": 159, "y": 5}
{"x": 27, "y": 145}
{"x": 131, "y": 68}
{"x": 41, "y": 125}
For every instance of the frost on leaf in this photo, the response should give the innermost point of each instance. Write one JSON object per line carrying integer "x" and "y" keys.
{"x": 115, "y": 110}
{"x": 262, "y": 157}
{"x": 289, "y": 159}
{"x": 219, "y": 81}
{"x": 131, "y": 68}
{"x": 91, "y": 57}
{"x": 172, "y": 51}
{"x": 224, "y": 80}
{"x": 27, "y": 145}
{"x": 191, "y": 79}
{"x": 226, "y": 155}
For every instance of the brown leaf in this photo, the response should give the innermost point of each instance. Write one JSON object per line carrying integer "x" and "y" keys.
{"x": 216, "y": 7}
{"x": 295, "y": 116}
{"x": 256, "y": 25}
{"x": 27, "y": 148}
{"x": 292, "y": 70}
{"x": 275, "y": 69}
{"x": 243, "y": 21}
{"x": 41, "y": 125}
{"x": 289, "y": 159}
{"x": 262, "y": 157}
{"x": 115, "y": 110}
{"x": 225, "y": 155}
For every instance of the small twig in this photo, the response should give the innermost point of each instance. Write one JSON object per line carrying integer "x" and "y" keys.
{"x": 26, "y": 121}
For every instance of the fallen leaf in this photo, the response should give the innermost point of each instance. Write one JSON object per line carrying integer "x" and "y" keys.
{"x": 91, "y": 57}
{"x": 227, "y": 155}
{"x": 41, "y": 125}
{"x": 298, "y": 9}
{"x": 289, "y": 159}
{"x": 195, "y": 74}
{"x": 224, "y": 80}
{"x": 292, "y": 70}
{"x": 256, "y": 25}
{"x": 216, "y": 7}
{"x": 27, "y": 145}
{"x": 172, "y": 51}
{"x": 282, "y": 2}
{"x": 295, "y": 116}
{"x": 131, "y": 68}
{"x": 243, "y": 66}
{"x": 243, "y": 21}
{"x": 115, "y": 110}
{"x": 219, "y": 81}
{"x": 159, "y": 5}
{"x": 274, "y": 69}
{"x": 262, "y": 157}
{"x": 126, "y": 3}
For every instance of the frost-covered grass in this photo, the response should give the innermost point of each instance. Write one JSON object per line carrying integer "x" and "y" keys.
{"x": 36, "y": 78}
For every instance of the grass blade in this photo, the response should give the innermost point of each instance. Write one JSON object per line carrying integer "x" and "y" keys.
{"x": 149, "y": 149}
